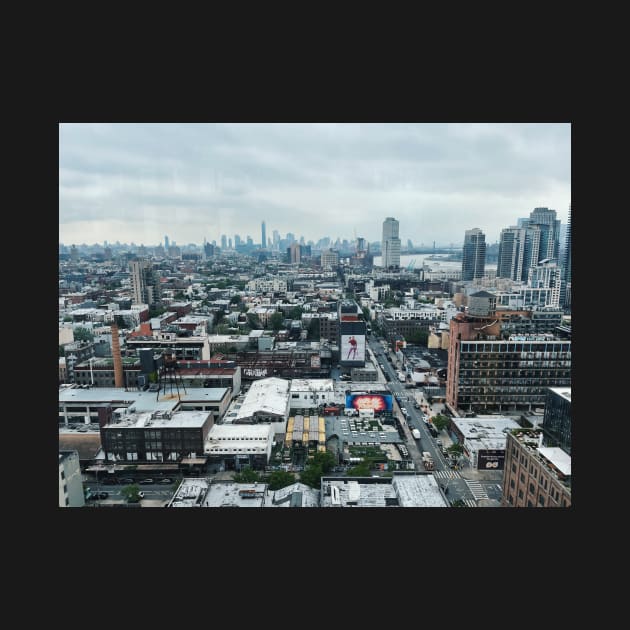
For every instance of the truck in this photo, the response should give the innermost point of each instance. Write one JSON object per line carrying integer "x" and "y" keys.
{"x": 415, "y": 433}
{"x": 427, "y": 460}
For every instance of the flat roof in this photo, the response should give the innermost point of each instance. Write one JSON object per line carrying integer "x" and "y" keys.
{"x": 190, "y": 493}
{"x": 565, "y": 392}
{"x": 418, "y": 491}
{"x": 356, "y": 431}
{"x": 142, "y": 401}
{"x": 230, "y": 494}
{"x": 178, "y": 420}
{"x": 295, "y": 495}
{"x": 267, "y": 395}
{"x": 316, "y": 384}
{"x": 555, "y": 455}
{"x": 486, "y": 427}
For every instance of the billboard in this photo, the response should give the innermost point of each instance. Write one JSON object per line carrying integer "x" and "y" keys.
{"x": 490, "y": 459}
{"x": 353, "y": 348}
{"x": 378, "y": 402}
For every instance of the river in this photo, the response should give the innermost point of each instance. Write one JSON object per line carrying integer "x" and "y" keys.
{"x": 436, "y": 265}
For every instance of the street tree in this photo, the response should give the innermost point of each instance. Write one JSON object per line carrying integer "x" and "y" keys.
{"x": 280, "y": 479}
{"x": 312, "y": 475}
{"x": 131, "y": 493}
{"x": 276, "y": 320}
{"x": 440, "y": 421}
{"x": 360, "y": 470}
{"x": 247, "y": 475}
{"x": 325, "y": 459}
{"x": 83, "y": 334}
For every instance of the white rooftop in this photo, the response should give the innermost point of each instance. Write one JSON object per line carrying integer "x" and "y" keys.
{"x": 295, "y": 495}
{"x": 267, "y": 395}
{"x": 230, "y": 494}
{"x": 418, "y": 491}
{"x": 565, "y": 392}
{"x": 190, "y": 493}
{"x": 486, "y": 427}
{"x": 560, "y": 459}
{"x": 316, "y": 384}
{"x": 178, "y": 420}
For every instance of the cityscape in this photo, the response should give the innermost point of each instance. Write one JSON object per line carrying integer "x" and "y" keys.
{"x": 250, "y": 355}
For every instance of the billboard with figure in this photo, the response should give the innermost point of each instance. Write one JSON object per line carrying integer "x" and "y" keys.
{"x": 353, "y": 348}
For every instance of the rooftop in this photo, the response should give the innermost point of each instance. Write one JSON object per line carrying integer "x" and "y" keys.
{"x": 163, "y": 420}
{"x": 190, "y": 493}
{"x": 312, "y": 384}
{"x": 565, "y": 392}
{"x": 141, "y": 401}
{"x": 558, "y": 457}
{"x": 267, "y": 395}
{"x": 230, "y": 494}
{"x": 486, "y": 427}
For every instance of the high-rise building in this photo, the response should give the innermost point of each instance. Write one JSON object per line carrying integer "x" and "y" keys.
{"x": 511, "y": 252}
{"x": 566, "y": 267}
{"x": 166, "y": 245}
{"x": 294, "y": 252}
{"x": 390, "y": 244}
{"x": 144, "y": 282}
{"x": 276, "y": 240}
{"x": 474, "y": 255}
{"x": 223, "y": 242}
{"x": 263, "y": 240}
{"x": 237, "y": 241}
{"x": 330, "y": 259}
{"x": 487, "y": 373}
{"x": 557, "y": 420}
{"x": 550, "y": 227}
{"x": 547, "y": 275}
{"x": 230, "y": 242}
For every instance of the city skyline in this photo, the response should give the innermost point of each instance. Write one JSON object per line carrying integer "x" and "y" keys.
{"x": 138, "y": 182}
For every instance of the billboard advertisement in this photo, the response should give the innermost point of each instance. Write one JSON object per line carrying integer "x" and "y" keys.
{"x": 353, "y": 348}
{"x": 490, "y": 459}
{"x": 377, "y": 402}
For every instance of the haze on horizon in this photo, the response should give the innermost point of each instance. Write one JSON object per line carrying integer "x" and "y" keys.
{"x": 137, "y": 182}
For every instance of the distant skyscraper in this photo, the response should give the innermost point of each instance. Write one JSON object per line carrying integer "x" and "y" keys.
{"x": 511, "y": 251}
{"x": 566, "y": 266}
{"x": 290, "y": 238}
{"x": 250, "y": 241}
{"x": 237, "y": 240}
{"x": 276, "y": 240}
{"x": 295, "y": 253}
{"x": 223, "y": 241}
{"x": 144, "y": 282}
{"x": 263, "y": 240}
{"x": 361, "y": 245}
{"x": 230, "y": 242}
{"x": 409, "y": 244}
{"x": 390, "y": 244}
{"x": 474, "y": 255}
{"x": 549, "y": 226}
{"x": 166, "y": 243}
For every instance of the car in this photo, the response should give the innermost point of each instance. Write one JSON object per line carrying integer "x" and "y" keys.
{"x": 146, "y": 481}
{"x": 403, "y": 410}
{"x": 127, "y": 480}
{"x": 141, "y": 494}
{"x": 165, "y": 480}
{"x": 109, "y": 481}
{"x": 103, "y": 495}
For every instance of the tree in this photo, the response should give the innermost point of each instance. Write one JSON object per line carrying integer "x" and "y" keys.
{"x": 296, "y": 313}
{"x": 418, "y": 336}
{"x": 280, "y": 479}
{"x": 276, "y": 321}
{"x": 131, "y": 493}
{"x": 441, "y": 421}
{"x": 325, "y": 459}
{"x": 360, "y": 470}
{"x": 61, "y": 352}
{"x": 235, "y": 299}
{"x": 456, "y": 449}
{"x": 366, "y": 314}
{"x": 83, "y": 334}
{"x": 312, "y": 475}
{"x": 247, "y": 475}
{"x": 253, "y": 322}
{"x": 156, "y": 311}
{"x": 67, "y": 318}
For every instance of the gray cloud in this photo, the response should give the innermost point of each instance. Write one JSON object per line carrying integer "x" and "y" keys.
{"x": 201, "y": 180}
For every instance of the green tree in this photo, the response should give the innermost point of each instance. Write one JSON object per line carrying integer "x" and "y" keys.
{"x": 360, "y": 470}
{"x": 247, "y": 475}
{"x": 61, "y": 353}
{"x": 441, "y": 421}
{"x": 312, "y": 475}
{"x": 130, "y": 493}
{"x": 296, "y": 313}
{"x": 253, "y": 322}
{"x": 83, "y": 334}
{"x": 236, "y": 299}
{"x": 280, "y": 479}
{"x": 325, "y": 459}
{"x": 276, "y": 320}
{"x": 418, "y": 336}
{"x": 366, "y": 314}
{"x": 67, "y": 318}
{"x": 153, "y": 377}
{"x": 156, "y": 311}
{"x": 458, "y": 503}
{"x": 456, "y": 449}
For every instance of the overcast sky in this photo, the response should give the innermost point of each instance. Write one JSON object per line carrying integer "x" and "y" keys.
{"x": 138, "y": 182}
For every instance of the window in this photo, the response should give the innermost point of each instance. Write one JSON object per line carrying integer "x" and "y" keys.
{"x": 522, "y": 477}
{"x": 512, "y": 483}
{"x": 520, "y": 494}
{"x": 63, "y": 474}
{"x": 67, "y": 501}
{"x": 513, "y": 467}
{"x": 532, "y": 488}
{"x": 541, "y": 500}
{"x": 511, "y": 499}
{"x": 529, "y": 503}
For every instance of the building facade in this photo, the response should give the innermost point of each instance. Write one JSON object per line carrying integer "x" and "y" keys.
{"x": 474, "y": 255}
{"x": 390, "y": 244}
{"x": 535, "y": 476}
{"x": 70, "y": 481}
{"x": 145, "y": 283}
{"x": 557, "y": 419}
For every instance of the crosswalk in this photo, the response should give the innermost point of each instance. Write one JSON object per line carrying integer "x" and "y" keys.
{"x": 446, "y": 474}
{"x": 470, "y": 503}
{"x": 477, "y": 489}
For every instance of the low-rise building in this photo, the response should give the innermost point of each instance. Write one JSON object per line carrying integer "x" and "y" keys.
{"x": 70, "y": 480}
{"x": 233, "y": 446}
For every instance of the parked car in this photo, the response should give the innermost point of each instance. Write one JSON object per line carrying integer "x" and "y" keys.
{"x": 146, "y": 481}
{"x": 103, "y": 495}
{"x": 166, "y": 480}
{"x": 127, "y": 480}
{"x": 109, "y": 481}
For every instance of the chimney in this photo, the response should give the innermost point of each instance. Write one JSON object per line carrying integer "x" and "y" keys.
{"x": 119, "y": 381}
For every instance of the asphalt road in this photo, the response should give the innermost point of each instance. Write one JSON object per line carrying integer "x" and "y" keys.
{"x": 151, "y": 491}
